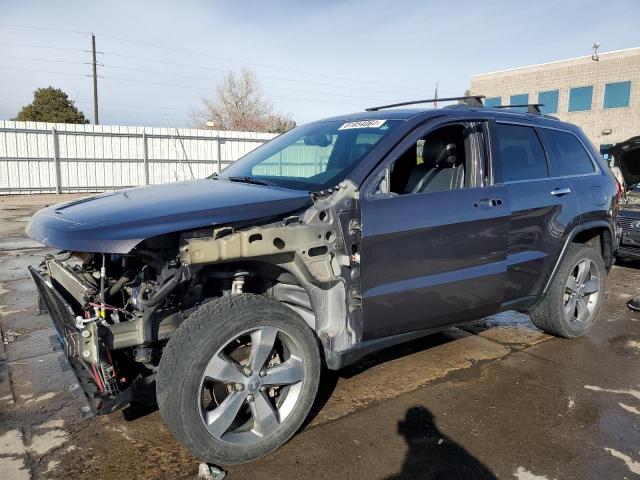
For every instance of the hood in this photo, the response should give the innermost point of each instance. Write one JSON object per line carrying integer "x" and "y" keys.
{"x": 116, "y": 222}
{"x": 627, "y": 158}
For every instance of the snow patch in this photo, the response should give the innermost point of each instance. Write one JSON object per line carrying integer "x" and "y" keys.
{"x": 632, "y": 392}
{"x": 632, "y": 465}
{"x": 46, "y": 396}
{"x": 52, "y": 465}
{"x": 13, "y": 456}
{"x": 630, "y": 409}
{"x": 523, "y": 474}
{"x": 53, "y": 437}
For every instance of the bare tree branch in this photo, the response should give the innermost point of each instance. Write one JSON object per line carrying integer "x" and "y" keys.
{"x": 240, "y": 105}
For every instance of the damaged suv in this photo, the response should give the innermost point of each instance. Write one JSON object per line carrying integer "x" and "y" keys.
{"x": 334, "y": 240}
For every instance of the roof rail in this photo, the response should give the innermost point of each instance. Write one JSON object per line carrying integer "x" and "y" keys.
{"x": 531, "y": 107}
{"x": 471, "y": 100}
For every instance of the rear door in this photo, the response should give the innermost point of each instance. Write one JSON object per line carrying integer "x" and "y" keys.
{"x": 543, "y": 211}
{"x": 437, "y": 256}
{"x": 570, "y": 159}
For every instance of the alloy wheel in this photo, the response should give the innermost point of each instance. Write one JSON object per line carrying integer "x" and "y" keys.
{"x": 251, "y": 385}
{"x": 582, "y": 292}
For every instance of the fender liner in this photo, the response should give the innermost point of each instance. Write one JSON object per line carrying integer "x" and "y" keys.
{"x": 602, "y": 223}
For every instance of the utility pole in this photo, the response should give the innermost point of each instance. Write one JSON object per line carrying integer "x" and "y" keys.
{"x": 95, "y": 80}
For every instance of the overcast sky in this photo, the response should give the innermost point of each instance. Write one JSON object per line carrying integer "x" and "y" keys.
{"x": 314, "y": 59}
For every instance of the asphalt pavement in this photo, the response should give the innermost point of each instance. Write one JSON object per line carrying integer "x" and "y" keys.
{"x": 493, "y": 399}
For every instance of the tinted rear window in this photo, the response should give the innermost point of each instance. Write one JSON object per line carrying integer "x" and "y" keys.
{"x": 521, "y": 152}
{"x": 568, "y": 155}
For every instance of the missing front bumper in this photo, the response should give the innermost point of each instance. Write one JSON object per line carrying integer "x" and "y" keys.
{"x": 82, "y": 352}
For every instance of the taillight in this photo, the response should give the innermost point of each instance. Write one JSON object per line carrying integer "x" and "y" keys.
{"x": 619, "y": 189}
{"x": 619, "y": 195}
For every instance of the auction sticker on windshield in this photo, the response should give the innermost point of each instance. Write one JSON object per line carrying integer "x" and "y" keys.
{"x": 362, "y": 124}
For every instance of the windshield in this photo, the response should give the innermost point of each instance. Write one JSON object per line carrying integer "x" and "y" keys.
{"x": 311, "y": 157}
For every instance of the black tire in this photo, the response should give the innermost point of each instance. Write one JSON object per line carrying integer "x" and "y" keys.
{"x": 188, "y": 353}
{"x": 549, "y": 315}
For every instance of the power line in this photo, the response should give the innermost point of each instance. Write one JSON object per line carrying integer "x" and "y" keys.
{"x": 192, "y": 87}
{"x": 188, "y": 65}
{"x": 315, "y": 100}
{"x": 68, "y": 74}
{"x": 202, "y": 54}
{"x": 47, "y": 29}
{"x": 120, "y": 105}
{"x": 8, "y": 57}
{"x": 286, "y": 79}
{"x": 26, "y": 45}
{"x": 229, "y": 59}
{"x": 315, "y": 92}
{"x": 109, "y": 113}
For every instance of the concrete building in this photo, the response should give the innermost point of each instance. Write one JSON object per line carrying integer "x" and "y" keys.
{"x": 602, "y": 97}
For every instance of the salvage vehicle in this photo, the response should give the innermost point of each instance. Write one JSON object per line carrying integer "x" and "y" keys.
{"x": 336, "y": 239}
{"x": 625, "y": 157}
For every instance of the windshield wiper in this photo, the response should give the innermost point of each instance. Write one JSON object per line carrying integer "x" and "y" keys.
{"x": 255, "y": 181}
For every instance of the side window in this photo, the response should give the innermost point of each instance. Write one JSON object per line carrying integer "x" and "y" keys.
{"x": 521, "y": 153}
{"x": 568, "y": 155}
{"x": 437, "y": 162}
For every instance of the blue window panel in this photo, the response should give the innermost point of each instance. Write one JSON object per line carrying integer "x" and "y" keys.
{"x": 549, "y": 100}
{"x": 616, "y": 95}
{"x": 580, "y": 99}
{"x": 521, "y": 99}
{"x": 493, "y": 102}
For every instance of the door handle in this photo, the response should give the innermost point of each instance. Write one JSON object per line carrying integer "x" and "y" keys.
{"x": 488, "y": 203}
{"x": 558, "y": 192}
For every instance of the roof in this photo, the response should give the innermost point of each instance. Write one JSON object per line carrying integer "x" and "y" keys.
{"x": 427, "y": 112}
{"x": 387, "y": 114}
{"x": 584, "y": 57}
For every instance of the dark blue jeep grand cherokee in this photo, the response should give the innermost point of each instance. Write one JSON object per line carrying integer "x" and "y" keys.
{"x": 336, "y": 239}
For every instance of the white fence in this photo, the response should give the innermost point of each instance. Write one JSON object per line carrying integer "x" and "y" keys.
{"x": 58, "y": 157}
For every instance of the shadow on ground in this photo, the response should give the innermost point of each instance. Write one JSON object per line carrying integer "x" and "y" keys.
{"x": 433, "y": 455}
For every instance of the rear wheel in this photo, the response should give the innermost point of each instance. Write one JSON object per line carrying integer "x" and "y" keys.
{"x": 238, "y": 378}
{"x": 575, "y": 296}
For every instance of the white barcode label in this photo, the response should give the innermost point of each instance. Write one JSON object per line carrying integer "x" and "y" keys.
{"x": 363, "y": 124}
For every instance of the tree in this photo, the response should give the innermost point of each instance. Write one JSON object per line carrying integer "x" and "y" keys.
{"x": 282, "y": 125}
{"x": 51, "y": 105}
{"x": 240, "y": 105}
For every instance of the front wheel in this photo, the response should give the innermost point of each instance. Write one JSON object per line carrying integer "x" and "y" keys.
{"x": 238, "y": 378}
{"x": 575, "y": 296}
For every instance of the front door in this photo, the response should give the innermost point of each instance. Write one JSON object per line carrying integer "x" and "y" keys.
{"x": 434, "y": 234}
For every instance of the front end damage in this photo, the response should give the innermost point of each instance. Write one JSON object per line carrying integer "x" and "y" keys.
{"x": 115, "y": 312}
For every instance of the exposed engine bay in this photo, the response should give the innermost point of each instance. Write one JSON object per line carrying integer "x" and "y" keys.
{"x": 115, "y": 312}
